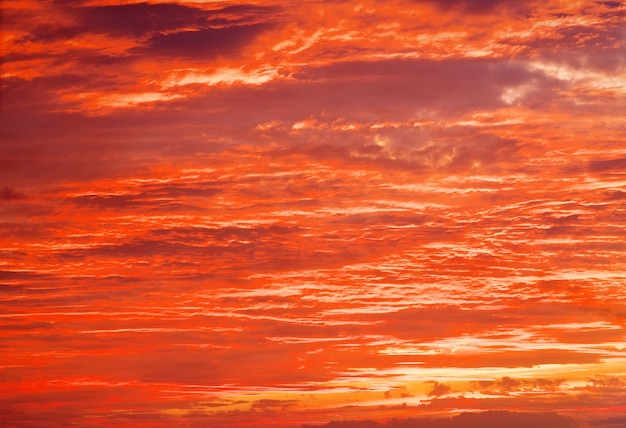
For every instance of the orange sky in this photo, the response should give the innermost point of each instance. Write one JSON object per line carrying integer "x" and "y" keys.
{"x": 272, "y": 213}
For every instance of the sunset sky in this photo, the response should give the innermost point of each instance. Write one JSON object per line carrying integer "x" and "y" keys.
{"x": 274, "y": 213}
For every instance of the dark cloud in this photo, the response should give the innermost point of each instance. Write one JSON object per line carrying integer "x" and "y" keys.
{"x": 20, "y": 275}
{"x": 138, "y": 248}
{"x": 476, "y": 6}
{"x": 508, "y": 384}
{"x": 27, "y": 326}
{"x": 368, "y": 92}
{"x": 374, "y": 91}
{"x": 141, "y": 18}
{"x": 9, "y": 194}
{"x": 151, "y": 197}
{"x": 511, "y": 420}
{"x": 109, "y": 201}
{"x": 347, "y": 424}
{"x": 607, "y": 382}
{"x": 272, "y": 405}
{"x": 204, "y": 43}
{"x": 614, "y": 421}
{"x": 615, "y": 195}
{"x": 47, "y": 33}
{"x": 467, "y": 420}
{"x": 597, "y": 47}
{"x": 426, "y": 323}
{"x": 608, "y": 165}
{"x": 62, "y": 407}
{"x": 226, "y": 234}
{"x": 439, "y": 389}
{"x": 611, "y": 4}
{"x": 130, "y": 20}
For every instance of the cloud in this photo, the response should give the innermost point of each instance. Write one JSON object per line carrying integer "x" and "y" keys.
{"x": 507, "y": 385}
{"x": 405, "y": 323}
{"x": 439, "y": 389}
{"x": 133, "y": 20}
{"x": 467, "y": 420}
{"x": 607, "y": 382}
{"x": 21, "y": 275}
{"x": 203, "y": 43}
{"x": 149, "y": 197}
{"x": 140, "y": 20}
{"x": 266, "y": 216}
{"x": 476, "y": 6}
{"x": 265, "y": 405}
{"x": 611, "y": 4}
{"x": 614, "y": 421}
{"x": 512, "y": 420}
{"x": 9, "y": 194}
{"x": 607, "y": 165}
{"x": 413, "y": 85}
{"x": 27, "y": 326}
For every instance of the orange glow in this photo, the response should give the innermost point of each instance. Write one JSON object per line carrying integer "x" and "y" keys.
{"x": 280, "y": 214}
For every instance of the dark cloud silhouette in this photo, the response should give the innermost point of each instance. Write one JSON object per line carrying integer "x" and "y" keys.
{"x": 351, "y": 424}
{"x": 612, "y": 422}
{"x": 439, "y": 389}
{"x": 466, "y": 420}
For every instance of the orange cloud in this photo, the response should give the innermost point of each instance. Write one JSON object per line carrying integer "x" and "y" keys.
{"x": 273, "y": 214}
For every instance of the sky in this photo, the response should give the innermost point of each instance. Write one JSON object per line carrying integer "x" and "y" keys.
{"x": 274, "y": 213}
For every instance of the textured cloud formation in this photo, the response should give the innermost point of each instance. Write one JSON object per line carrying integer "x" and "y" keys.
{"x": 277, "y": 214}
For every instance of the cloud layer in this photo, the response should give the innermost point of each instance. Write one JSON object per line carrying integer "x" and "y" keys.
{"x": 268, "y": 214}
